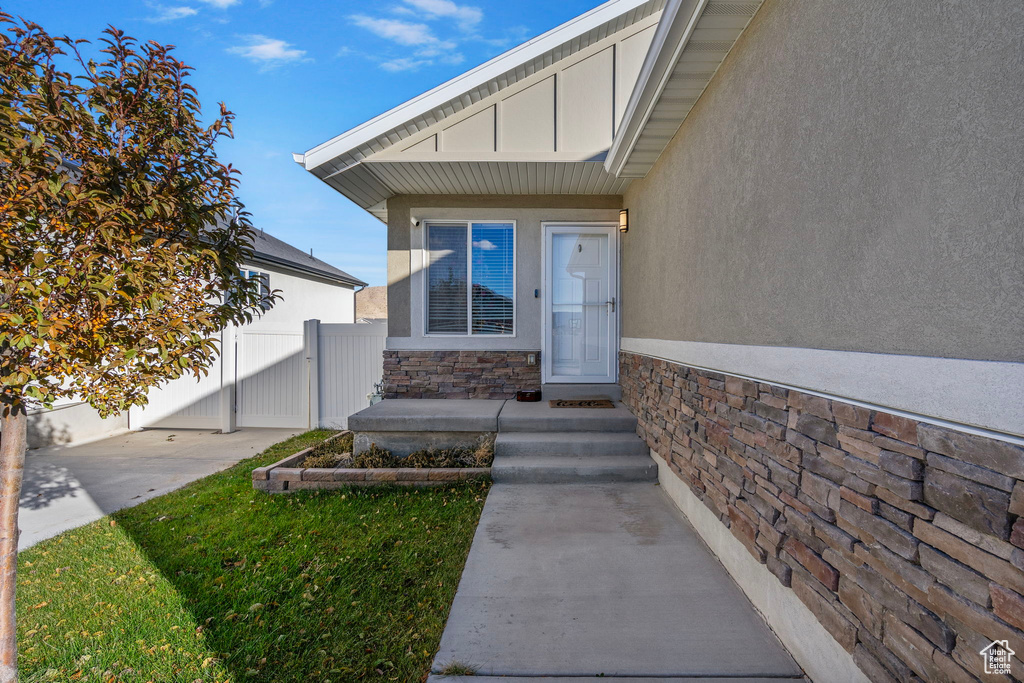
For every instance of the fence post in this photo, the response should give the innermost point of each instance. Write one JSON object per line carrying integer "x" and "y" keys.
{"x": 311, "y": 343}
{"x": 228, "y": 377}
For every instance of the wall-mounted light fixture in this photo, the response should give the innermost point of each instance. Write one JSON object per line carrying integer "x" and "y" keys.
{"x": 623, "y": 220}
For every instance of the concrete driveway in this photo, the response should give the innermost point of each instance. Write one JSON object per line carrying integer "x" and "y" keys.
{"x": 68, "y": 486}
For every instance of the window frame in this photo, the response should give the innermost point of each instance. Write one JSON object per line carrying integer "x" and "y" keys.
{"x": 263, "y": 277}
{"x": 425, "y": 270}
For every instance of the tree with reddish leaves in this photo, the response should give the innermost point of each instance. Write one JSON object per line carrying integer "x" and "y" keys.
{"x": 121, "y": 241}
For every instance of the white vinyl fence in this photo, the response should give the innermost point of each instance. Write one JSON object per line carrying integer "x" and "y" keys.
{"x": 276, "y": 378}
{"x": 184, "y": 403}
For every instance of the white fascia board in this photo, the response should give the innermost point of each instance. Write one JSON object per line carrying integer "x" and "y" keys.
{"x": 465, "y": 82}
{"x": 678, "y": 20}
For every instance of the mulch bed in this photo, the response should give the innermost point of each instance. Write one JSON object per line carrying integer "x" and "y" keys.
{"x": 291, "y": 473}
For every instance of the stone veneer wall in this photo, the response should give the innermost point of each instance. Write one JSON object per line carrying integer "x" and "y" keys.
{"x": 903, "y": 538}
{"x": 458, "y": 374}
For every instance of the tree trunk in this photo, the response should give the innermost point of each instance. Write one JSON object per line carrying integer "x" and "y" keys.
{"x": 13, "y": 440}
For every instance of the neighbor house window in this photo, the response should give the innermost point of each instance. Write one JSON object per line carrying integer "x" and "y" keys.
{"x": 264, "y": 279}
{"x": 470, "y": 278}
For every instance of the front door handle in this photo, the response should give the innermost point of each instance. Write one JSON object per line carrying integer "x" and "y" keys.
{"x": 611, "y": 303}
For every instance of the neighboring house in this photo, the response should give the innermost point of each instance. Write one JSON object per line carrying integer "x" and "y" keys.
{"x": 793, "y": 234}
{"x": 372, "y": 305}
{"x": 309, "y": 288}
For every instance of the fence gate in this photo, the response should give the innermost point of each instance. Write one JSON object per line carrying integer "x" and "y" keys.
{"x": 272, "y": 381}
{"x": 350, "y": 359}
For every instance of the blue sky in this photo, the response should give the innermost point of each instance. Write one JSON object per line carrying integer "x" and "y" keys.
{"x": 300, "y": 72}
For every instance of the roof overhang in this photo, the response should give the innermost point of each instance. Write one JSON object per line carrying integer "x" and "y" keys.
{"x": 691, "y": 42}
{"x": 371, "y": 183}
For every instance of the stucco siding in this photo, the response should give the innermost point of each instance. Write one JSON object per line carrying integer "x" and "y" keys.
{"x": 405, "y": 259}
{"x": 852, "y": 179}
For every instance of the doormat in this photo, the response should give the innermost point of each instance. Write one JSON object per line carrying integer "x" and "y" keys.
{"x": 581, "y": 403}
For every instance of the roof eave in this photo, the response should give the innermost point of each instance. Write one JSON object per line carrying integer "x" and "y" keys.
{"x": 309, "y": 270}
{"x": 678, "y": 21}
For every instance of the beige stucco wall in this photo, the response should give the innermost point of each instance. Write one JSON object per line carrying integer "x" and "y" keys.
{"x": 853, "y": 179}
{"x": 405, "y": 295}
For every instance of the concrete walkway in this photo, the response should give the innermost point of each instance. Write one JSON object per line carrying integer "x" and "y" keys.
{"x": 68, "y": 486}
{"x": 566, "y": 581}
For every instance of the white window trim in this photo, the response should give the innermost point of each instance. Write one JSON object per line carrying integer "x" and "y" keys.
{"x": 425, "y": 279}
{"x": 264, "y": 279}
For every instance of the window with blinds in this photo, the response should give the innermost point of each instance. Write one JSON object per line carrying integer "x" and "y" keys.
{"x": 470, "y": 278}
{"x": 447, "y": 275}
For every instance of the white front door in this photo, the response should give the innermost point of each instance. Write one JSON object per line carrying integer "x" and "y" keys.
{"x": 580, "y": 303}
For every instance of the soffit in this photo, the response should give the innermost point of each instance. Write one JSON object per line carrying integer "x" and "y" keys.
{"x": 691, "y": 42}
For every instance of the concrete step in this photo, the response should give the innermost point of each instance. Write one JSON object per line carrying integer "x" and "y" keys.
{"x": 573, "y": 469}
{"x": 540, "y": 417}
{"x": 516, "y": 444}
{"x": 555, "y": 391}
{"x": 441, "y": 678}
{"x": 427, "y": 415}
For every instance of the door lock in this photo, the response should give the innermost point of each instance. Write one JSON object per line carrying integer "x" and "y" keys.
{"x": 611, "y": 303}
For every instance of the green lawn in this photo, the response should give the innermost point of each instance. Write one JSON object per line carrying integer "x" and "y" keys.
{"x": 217, "y": 582}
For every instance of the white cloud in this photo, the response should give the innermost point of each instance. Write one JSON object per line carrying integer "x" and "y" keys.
{"x": 486, "y": 245}
{"x": 514, "y": 35}
{"x": 421, "y": 58}
{"x": 171, "y": 13}
{"x": 268, "y": 52}
{"x": 467, "y": 17}
{"x": 428, "y": 48}
{"x": 401, "y": 32}
{"x": 221, "y": 4}
{"x": 404, "y": 64}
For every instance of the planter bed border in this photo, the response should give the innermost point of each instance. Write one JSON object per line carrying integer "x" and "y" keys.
{"x": 283, "y": 476}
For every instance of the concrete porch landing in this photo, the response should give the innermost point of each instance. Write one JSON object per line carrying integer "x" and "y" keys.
{"x": 566, "y": 581}
{"x": 483, "y": 415}
{"x": 428, "y": 415}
